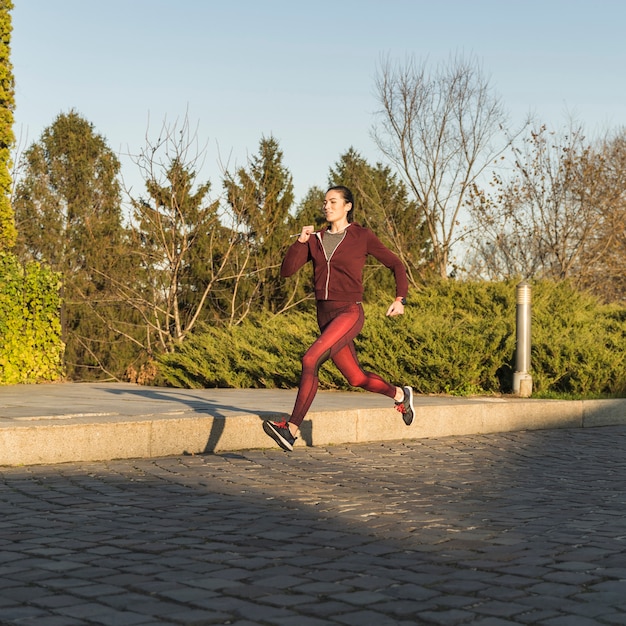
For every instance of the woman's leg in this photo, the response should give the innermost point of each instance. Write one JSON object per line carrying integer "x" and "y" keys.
{"x": 348, "y": 364}
{"x": 340, "y": 324}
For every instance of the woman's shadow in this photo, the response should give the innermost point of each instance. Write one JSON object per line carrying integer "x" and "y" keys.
{"x": 218, "y": 410}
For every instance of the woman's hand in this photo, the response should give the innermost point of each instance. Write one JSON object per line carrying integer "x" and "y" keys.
{"x": 307, "y": 231}
{"x": 396, "y": 308}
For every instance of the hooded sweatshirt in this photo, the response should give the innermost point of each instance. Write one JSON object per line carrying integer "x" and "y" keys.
{"x": 340, "y": 275}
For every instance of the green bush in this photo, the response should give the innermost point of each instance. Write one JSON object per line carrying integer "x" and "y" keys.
{"x": 31, "y": 349}
{"x": 578, "y": 345}
{"x": 264, "y": 352}
{"x": 455, "y": 338}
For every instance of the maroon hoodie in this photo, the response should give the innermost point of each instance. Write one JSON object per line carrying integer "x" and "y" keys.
{"x": 340, "y": 277}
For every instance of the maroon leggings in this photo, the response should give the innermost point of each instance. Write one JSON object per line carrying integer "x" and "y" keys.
{"x": 340, "y": 323}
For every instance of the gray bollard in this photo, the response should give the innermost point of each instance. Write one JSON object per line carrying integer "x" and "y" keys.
{"x": 522, "y": 380}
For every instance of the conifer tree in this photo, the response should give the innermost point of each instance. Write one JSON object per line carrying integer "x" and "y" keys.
{"x": 68, "y": 212}
{"x": 382, "y": 204}
{"x": 177, "y": 240}
{"x": 182, "y": 243}
{"x": 261, "y": 198}
{"x": 299, "y": 287}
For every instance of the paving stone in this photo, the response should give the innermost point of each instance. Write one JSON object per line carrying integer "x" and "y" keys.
{"x": 53, "y": 601}
{"x": 326, "y": 608}
{"x": 493, "y": 621}
{"x": 299, "y": 620}
{"x": 535, "y": 617}
{"x": 365, "y": 618}
{"x": 446, "y": 617}
{"x": 361, "y": 598}
{"x": 18, "y": 614}
{"x": 50, "y": 620}
{"x": 508, "y": 528}
{"x": 570, "y": 621}
{"x": 499, "y": 609}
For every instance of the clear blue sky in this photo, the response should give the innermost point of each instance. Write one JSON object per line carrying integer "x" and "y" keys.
{"x": 301, "y": 71}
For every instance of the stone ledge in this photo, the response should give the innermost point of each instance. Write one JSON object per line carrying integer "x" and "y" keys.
{"x": 107, "y": 437}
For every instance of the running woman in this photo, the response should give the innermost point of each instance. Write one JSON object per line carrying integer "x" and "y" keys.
{"x": 338, "y": 254}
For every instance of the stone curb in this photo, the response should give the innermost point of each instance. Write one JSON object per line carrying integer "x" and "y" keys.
{"x": 61, "y": 437}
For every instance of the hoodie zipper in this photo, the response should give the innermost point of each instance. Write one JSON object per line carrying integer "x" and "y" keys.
{"x": 328, "y": 258}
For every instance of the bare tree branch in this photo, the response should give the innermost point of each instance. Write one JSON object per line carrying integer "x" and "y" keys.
{"x": 439, "y": 129}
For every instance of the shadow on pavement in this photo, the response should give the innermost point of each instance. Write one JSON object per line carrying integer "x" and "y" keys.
{"x": 201, "y": 405}
{"x": 524, "y": 527}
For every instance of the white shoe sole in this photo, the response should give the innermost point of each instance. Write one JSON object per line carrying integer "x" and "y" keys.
{"x": 409, "y": 390}
{"x": 269, "y": 429}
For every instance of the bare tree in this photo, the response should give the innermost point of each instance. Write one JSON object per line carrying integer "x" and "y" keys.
{"x": 439, "y": 128}
{"x": 541, "y": 221}
{"x": 602, "y": 268}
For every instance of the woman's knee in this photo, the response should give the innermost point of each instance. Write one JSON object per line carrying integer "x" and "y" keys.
{"x": 357, "y": 380}
{"x": 312, "y": 361}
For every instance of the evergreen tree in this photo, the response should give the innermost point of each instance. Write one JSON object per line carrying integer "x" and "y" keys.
{"x": 310, "y": 211}
{"x": 181, "y": 246}
{"x": 68, "y": 212}
{"x": 261, "y": 198}
{"x": 7, "y": 138}
{"x": 382, "y": 204}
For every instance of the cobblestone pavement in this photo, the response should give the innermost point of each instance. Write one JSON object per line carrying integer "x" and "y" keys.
{"x": 512, "y": 528}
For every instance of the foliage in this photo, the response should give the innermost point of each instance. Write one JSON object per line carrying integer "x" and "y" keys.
{"x": 455, "y": 338}
{"x": 8, "y": 232}
{"x": 172, "y": 228}
{"x": 194, "y": 269}
{"x": 260, "y": 198}
{"x": 309, "y": 212}
{"x": 31, "y": 349}
{"x": 559, "y": 215}
{"x": 68, "y": 212}
{"x": 262, "y": 351}
{"x": 382, "y": 204}
{"x": 603, "y": 267}
{"x": 540, "y": 220}
{"x": 578, "y": 345}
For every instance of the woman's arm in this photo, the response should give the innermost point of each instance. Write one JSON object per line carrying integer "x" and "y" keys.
{"x": 380, "y": 252}
{"x": 297, "y": 255}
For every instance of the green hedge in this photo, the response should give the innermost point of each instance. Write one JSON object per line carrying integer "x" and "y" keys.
{"x": 455, "y": 338}
{"x": 31, "y": 349}
{"x": 578, "y": 345}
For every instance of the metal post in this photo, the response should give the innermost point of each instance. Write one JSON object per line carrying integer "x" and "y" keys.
{"x": 522, "y": 380}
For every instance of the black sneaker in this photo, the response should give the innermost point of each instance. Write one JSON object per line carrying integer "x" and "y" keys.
{"x": 280, "y": 433}
{"x": 405, "y": 406}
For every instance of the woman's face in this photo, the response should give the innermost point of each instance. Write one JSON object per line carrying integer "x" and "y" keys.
{"x": 335, "y": 207}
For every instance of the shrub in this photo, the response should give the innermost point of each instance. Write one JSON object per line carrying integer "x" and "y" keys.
{"x": 31, "y": 349}
{"x": 578, "y": 344}
{"x": 263, "y": 351}
{"x": 455, "y": 338}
